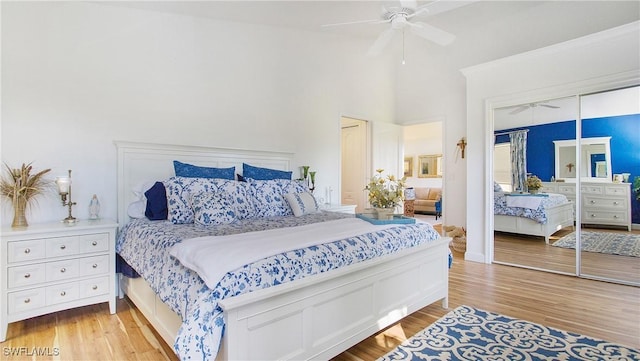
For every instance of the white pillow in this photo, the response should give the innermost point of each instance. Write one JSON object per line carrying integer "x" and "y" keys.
{"x": 136, "y": 209}
{"x": 301, "y": 203}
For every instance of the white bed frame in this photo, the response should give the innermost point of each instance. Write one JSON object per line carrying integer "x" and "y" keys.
{"x": 314, "y": 318}
{"x": 558, "y": 217}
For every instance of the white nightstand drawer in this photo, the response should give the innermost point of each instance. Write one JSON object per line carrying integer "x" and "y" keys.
{"x": 25, "y": 300}
{"x": 62, "y": 270}
{"x": 62, "y": 293}
{"x": 94, "y": 287}
{"x": 94, "y": 243}
{"x": 94, "y": 265}
{"x": 62, "y": 246}
{"x": 26, "y": 275}
{"x": 567, "y": 189}
{"x": 26, "y": 250}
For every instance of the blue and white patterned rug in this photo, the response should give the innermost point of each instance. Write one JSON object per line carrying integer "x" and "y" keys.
{"x": 467, "y": 333}
{"x": 622, "y": 244}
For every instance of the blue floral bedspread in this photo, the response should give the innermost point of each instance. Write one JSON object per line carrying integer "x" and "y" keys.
{"x": 145, "y": 246}
{"x": 539, "y": 215}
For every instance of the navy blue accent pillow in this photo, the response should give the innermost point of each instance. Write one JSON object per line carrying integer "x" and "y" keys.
{"x": 156, "y": 202}
{"x": 194, "y": 171}
{"x": 257, "y": 173}
{"x": 240, "y": 178}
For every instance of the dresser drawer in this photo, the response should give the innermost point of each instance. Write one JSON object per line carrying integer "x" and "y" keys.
{"x": 62, "y": 246}
{"x": 62, "y": 293}
{"x": 593, "y": 189}
{"x": 604, "y": 217}
{"x": 616, "y": 191}
{"x": 25, "y": 300}
{"x": 94, "y": 287}
{"x": 26, "y": 275}
{"x": 94, "y": 265}
{"x": 20, "y": 251}
{"x": 602, "y": 203}
{"x": 62, "y": 270}
{"x": 94, "y": 243}
{"x": 567, "y": 189}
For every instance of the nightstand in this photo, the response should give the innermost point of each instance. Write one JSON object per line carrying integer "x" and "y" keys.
{"x": 51, "y": 267}
{"x": 340, "y": 208}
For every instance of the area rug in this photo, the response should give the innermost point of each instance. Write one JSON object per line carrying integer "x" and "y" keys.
{"x": 622, "y": 244}
{"x": 468, "y": 333}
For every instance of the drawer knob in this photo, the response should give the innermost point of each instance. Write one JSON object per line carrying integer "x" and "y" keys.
{"x": 94, "y": 243}
{"x": 94, "y": 287}
{"x": 592, "y": 202}
{"x": 63, "y": 293}
{"x": 27, "y": 300}
{"x": 615, "y": 216}
{"x": 27, "y": 250}
{"x": 593, "y": 215}
{"x": 63, "y": 270}
{"x": 616, "y": 203}
{"x": 27, "y": 275}
{"x": 95, "y": 265}
{"x": 63, "y": 247}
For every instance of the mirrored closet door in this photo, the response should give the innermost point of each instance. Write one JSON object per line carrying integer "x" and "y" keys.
{"x": 532, "y": 208}
{"x": 609, "y": 162}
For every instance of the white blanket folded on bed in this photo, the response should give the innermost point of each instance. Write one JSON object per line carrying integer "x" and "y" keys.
{"x": 531, "y": 202}
{"x": 213, "y": 256}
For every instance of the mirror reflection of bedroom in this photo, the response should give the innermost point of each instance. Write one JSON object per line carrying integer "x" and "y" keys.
{"x": 544, "y": 186}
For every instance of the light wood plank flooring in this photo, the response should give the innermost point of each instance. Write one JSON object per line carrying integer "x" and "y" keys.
{"x": 598, "y": 309}
{"x": 532, "y": 251}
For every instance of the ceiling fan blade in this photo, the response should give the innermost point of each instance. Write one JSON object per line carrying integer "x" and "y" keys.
{"x": 519, "y": 109}
{"x": 381, "y": 42}
{"x": 549, "y": 106}
{"x": 409, "y": 4}
{"x": 376, "y": 21}
{"x": 432, "y": 33}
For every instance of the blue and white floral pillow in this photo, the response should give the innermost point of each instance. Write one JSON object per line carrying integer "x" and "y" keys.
{"x": 179, "y": 191}
{"x": 268, "y": 196}
{"x": 302, "y": 203}
{"x": 241, "y": 198}
{"x": 213, "y": 209}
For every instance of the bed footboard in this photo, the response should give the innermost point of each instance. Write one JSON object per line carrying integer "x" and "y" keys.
{"x": 321, "y": 316}
{"x": 558, "y": 217}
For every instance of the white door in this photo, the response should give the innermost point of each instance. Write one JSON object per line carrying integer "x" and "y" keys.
{"x": 354, "y": 162}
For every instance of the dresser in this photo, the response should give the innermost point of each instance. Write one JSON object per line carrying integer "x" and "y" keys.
{"x": 602, "y": 203}
{"x": 51, "y": 267}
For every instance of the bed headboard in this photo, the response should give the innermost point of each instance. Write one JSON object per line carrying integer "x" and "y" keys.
{"x": 146, "y": 162}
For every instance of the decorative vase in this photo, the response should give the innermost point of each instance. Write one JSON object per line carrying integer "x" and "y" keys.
{"x": 19, "y": 218}
{"x": 385, "y": 213}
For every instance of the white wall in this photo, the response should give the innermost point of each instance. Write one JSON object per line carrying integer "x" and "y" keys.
{"x": 77, "y": 76}
{"x": 601, "y": 61}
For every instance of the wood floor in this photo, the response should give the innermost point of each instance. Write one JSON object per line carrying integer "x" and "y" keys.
{"x": 532, "y": 251}
{"x": 594, "y": 308}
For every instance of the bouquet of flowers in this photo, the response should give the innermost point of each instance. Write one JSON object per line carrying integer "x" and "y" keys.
{"x": 385, "y": 192}
{"x": 533, "y": 182}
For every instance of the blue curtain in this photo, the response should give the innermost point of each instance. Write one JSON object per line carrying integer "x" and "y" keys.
{"x": 518, "y": 141}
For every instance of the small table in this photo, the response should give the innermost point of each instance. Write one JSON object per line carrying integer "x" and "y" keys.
{"x": 409, "y": 210}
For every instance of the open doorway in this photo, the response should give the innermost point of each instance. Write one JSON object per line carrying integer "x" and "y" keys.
{"x": 423, "y": 168}
{"x": 355, "y": 155}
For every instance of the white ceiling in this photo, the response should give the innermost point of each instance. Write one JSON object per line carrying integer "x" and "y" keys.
{"x": 485, "y": 30}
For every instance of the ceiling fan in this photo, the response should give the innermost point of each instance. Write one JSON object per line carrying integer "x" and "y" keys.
{"x": 523, "y": 107}
{"x": 400, "y": 18}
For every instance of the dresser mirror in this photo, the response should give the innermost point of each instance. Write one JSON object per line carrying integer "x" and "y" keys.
{"x": 595, "y": 159}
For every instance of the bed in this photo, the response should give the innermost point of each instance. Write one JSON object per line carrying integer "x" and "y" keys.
{"x": 534, "y": 215}
{"x": 315, "y": 316}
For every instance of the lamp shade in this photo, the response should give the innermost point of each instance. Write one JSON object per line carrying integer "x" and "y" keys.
{"x": 63, "y": 184}
{"x": 410, "y": 194}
